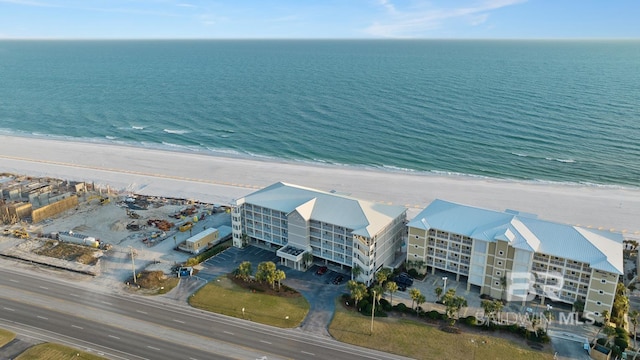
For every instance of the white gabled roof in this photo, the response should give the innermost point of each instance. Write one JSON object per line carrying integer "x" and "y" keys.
{"x": 601, "y": 250}
{"x": 363, "y": 217}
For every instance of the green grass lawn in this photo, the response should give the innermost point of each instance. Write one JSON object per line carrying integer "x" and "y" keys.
{"x": 224, "y": 297}
{"x": 6, "y": 337}
{"x": 49, "y": 351}
{"x": 407, "y": 337}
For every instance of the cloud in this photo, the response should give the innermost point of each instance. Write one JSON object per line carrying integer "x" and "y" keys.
{"x": 421, "y": 18}
{"x": 185, "y": 5}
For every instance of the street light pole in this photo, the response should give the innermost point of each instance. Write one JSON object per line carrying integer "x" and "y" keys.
{"x": 444, "y": 287}
{"x": 373, "y": 310}
{"x": 133, "y": 266}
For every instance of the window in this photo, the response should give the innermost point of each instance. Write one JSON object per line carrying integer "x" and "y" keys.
{"x": 600, "y": 292}
{"x": 604, "y": 281}
{"x": 417, "y": 237}
{"x": 416, "y": 246}
{"x": 598, "y": 303}
{"x": 415, "y": 255}
{"x": 499, "y": 263}
{"x": 497, "y": 283}
{"x": 596, "y": 313}
{"x": 498, "y": 273}
{"x": 500, "y": 252}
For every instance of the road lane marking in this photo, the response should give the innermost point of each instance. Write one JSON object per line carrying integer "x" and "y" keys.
{"x": 153, "y": 348}
{"x": 142, "y": 312}
{"x": 9, "y": 309}
{"x": 227, "y": 332}
{"x": 43, "y": 287}
{"x": 42, "y": 317}
{"x": 106, "y": 303}
{"x": 307, "y": 353}
{"x": 265, "y": 341}
{"x": 76, "y": 295}
{"x": 114, "y": 337}
{"x": 15, "y": 281}
{"x": 178, "y": 321}
{"x": 77, "y": 327}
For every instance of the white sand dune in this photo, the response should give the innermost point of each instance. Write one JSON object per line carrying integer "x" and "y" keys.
{"x": 221, "y": 179}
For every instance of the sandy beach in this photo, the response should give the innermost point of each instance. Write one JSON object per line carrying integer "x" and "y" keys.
{"x": 217, "y": 179}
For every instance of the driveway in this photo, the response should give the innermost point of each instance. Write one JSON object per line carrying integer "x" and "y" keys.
{"x": 317, "y": 289}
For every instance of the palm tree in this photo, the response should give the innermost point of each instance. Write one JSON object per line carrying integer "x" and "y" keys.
{"x": 307, "y": 257}
{"x": 356, "y": 270}
{"x": 419, "y": 301}
{"x": 503, "y": 285}
{"x": 633, "y": 317}
{"x": 548, "y": 315}
{"x": 357, "y": 289}
{"x": 382, "y": 275}
{"x": 438, "y": 291}
{"x": 414, "y": 294}
{"x": 605, "y": 318}
{"x": 377, "y": 291}
{"x": 453, "y": 304}
{"x": 244, "y": 270}
{"x": 279, "y": 275}
{"x": 391, "y": 287}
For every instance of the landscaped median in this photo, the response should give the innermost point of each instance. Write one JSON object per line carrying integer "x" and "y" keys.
{"x": 49, "y": 351}
{"x": 6, "y": 337}
{"x": 405, "y": 336}
{"x": 285, "y": 308}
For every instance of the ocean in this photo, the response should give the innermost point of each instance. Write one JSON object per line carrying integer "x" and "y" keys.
{"x": 533, "y": 111}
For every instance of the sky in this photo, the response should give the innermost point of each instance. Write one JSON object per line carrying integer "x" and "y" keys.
{"x": 313, "y": 19}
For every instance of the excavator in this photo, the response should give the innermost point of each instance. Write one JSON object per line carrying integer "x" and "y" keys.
{"x": 21, "y": 233}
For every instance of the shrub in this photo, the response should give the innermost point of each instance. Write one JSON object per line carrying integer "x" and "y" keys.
{"x": 413, "y": 273}
{"x": 621, "y": 342}
{"x": 433, "y": 315}
{"x": 602, "y": 341}
{"x": 195, "y": 260}
{"x": 385, "y": 305}
{"x": 362, "y": 304}
{"x": 470, "y": 321}
{"x": 401, "y": 307}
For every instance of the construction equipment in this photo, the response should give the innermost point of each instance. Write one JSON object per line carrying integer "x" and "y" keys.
{"x": 21, "y": 233}
{"x": 186, "y": 226}
{"x": 133, "y": 214}
{"x": 104, "y": 201}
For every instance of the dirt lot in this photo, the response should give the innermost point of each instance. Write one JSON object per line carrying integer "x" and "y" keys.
{"x": 126, "y": 230}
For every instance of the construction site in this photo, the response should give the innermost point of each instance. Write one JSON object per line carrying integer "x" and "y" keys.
{"x": 85, "y": 229}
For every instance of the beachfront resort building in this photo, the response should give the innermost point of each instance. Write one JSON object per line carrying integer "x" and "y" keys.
{"x": 336, "y": 229}
{"x": 516, "y": 255}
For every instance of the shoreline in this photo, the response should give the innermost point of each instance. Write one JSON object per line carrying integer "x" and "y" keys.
{"x": 234, "y": 154}
{"x": 221, "y": 179}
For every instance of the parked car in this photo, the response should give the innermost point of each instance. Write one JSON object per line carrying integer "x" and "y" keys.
{"x": 322, "y": 270}
{"x": 338, "y": 280}
{"x": 403, "y": 279}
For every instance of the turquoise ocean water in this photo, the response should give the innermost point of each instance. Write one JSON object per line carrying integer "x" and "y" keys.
{"x": 550, "y": 111}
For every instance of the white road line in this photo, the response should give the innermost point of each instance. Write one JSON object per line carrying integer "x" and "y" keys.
{"x": 307, "y": 353}
{"x": 178, "y": 321}
{"x": 75, "y": 295}
{"x": 264, "y": 341}
{"x": 77, "y": 327}
{"x": 106, "y": 303}
{"x": 153, "y": 348}
{"x": 226, "y": 332}
{"x": 15, "y": 281}
{"x": 114, "y": 337}
{"x": 43, "y": 287}
{"x": 9, "y": 309}
{"x": 142, "y": 312}
{"x": 42, "y": 317}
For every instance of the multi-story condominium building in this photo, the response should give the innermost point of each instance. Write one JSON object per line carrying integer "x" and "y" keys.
{"x": 336, "y": 229}
{"x": 512, "y": 253}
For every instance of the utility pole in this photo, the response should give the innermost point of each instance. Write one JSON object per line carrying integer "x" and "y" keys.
{"x": 133, "y": 266}
{"x": 373, "y": 310}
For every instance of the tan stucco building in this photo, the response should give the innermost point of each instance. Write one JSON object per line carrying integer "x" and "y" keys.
{"x": 515, "y": 255}
{"x": 336, "y": 229}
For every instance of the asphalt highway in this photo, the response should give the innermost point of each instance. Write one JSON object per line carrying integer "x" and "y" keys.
{"x": 149, "y": 328}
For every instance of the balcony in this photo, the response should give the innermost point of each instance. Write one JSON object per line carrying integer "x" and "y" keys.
{"x": 441, "y": 246}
